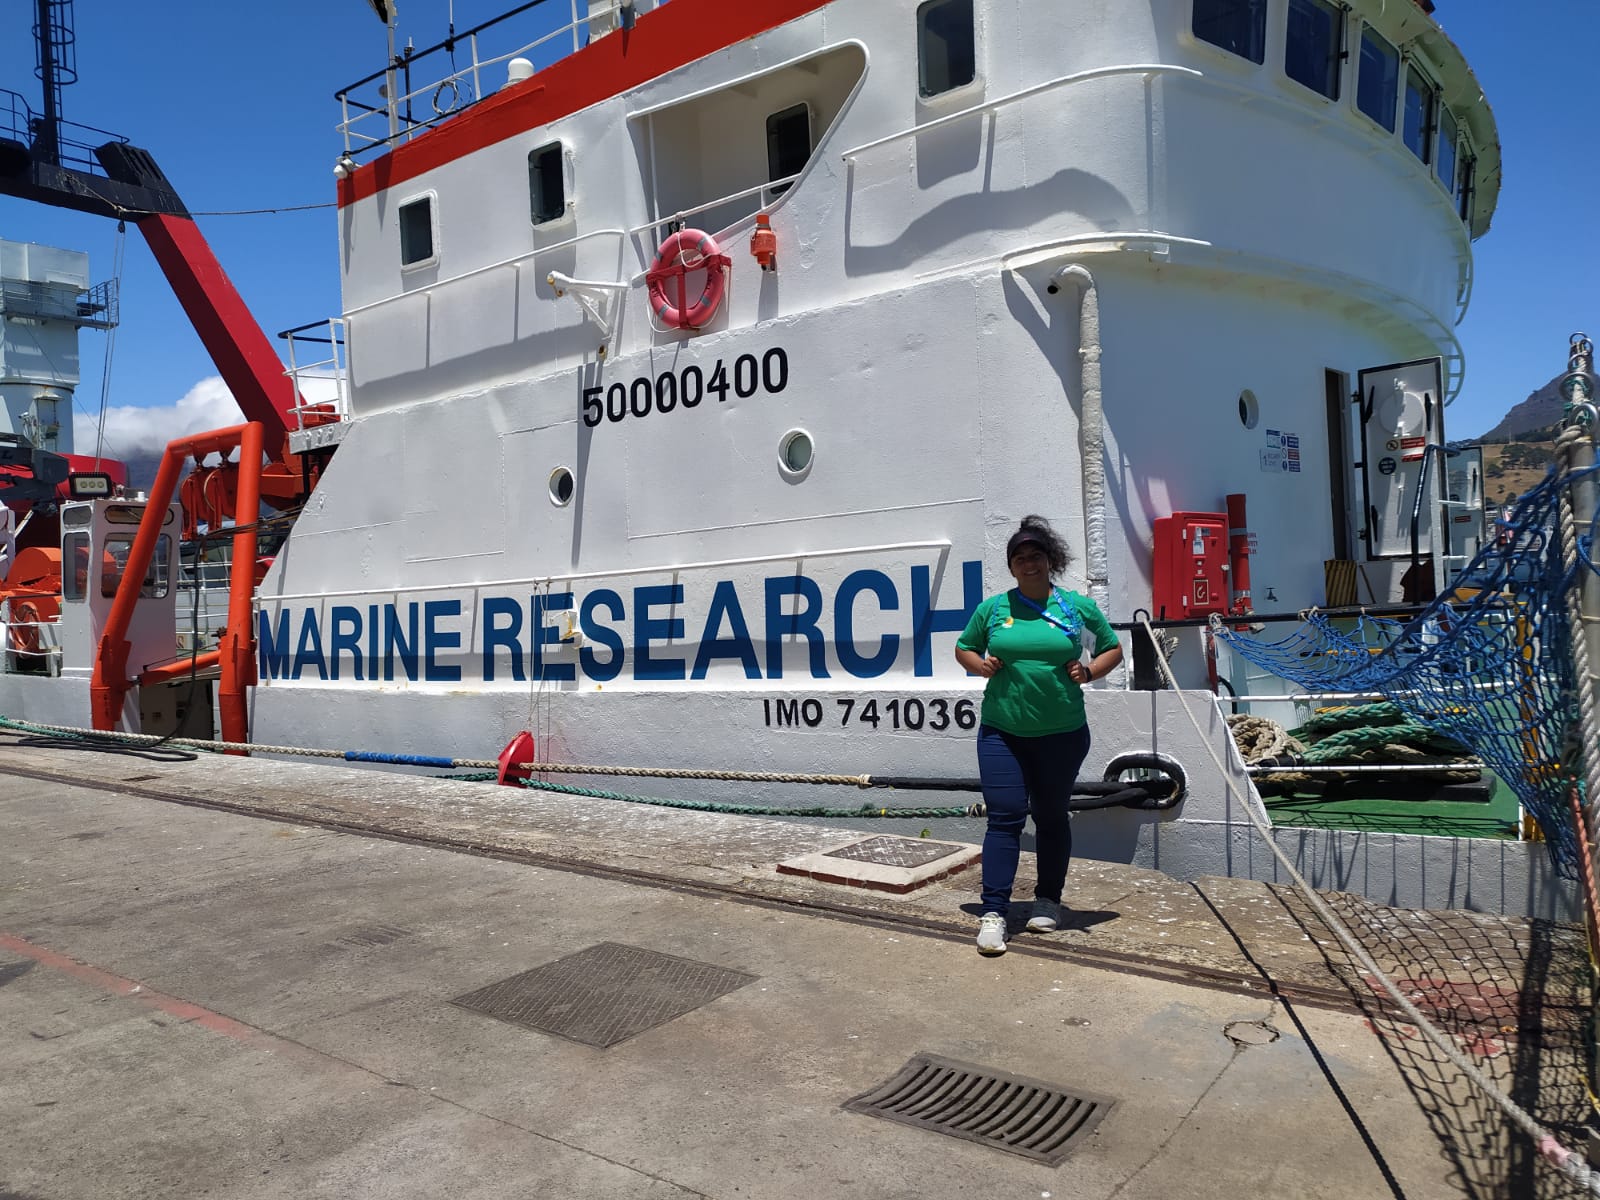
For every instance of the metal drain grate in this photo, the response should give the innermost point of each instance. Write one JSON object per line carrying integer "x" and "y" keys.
{"x": 895, "y": 851}
{"x": 1008, "y": 1112}
{"x": 605, "y": 994}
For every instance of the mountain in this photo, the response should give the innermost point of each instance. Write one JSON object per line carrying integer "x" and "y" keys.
{"x": 1536, "y": 414}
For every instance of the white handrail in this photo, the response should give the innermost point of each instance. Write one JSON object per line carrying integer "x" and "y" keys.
{"x": 717, "y": 203}
{"x": 667, "y": 569}
{"x": 494, "y": 266}
{"x": 989, "y": 105}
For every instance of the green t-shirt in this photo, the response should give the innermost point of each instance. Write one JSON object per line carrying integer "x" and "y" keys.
{"x": 1032, "y": 694}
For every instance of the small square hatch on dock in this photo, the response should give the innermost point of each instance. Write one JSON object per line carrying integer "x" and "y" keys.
{"x": 884, "y": 864}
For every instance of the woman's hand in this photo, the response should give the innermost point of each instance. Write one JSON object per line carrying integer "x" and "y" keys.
{"x": 1079, "y": 673}
{"x": 979, "y": 664}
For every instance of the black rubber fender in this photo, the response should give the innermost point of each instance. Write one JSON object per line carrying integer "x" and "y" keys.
{"x": 1150, "y": 761}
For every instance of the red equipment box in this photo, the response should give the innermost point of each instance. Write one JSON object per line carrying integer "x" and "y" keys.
{"x": 1191, "y": 565}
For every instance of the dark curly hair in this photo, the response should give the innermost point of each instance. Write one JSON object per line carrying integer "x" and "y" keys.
{"x": 1037, "y": 530}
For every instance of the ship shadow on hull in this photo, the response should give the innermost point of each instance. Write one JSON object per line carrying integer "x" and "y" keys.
{"x": 1068, "y": 202}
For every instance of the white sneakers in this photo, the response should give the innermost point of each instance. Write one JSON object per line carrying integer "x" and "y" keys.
{"x": 991, "y": 934}
{"x": 1046, "y": 918}
{"x": 1046, "y": 915}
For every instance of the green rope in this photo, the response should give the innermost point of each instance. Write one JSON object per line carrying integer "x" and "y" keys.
{"x": 1354, "y": 743}
{"x": 1348, "y": 717}
{"x": 743, "y": 810}
{"x": 56, "y": 731}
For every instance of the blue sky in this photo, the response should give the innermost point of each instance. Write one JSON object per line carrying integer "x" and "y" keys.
{"x": 236, "y": 103}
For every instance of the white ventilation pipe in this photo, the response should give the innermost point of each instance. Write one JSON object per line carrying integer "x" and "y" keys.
{"x": 1091, "y": 431}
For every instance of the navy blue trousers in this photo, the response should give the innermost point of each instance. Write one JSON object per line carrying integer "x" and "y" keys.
{"x": 1022, "y": 775}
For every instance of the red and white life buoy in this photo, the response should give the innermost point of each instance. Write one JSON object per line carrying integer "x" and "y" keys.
{"x": 685, "y": 251}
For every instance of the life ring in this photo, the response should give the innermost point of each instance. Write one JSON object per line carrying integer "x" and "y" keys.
{"x": 685, "y": 251}
{"x": 25, "y": 621}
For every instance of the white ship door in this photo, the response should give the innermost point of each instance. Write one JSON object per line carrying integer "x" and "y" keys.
{"x": 1464, "y": 508}
{"x": 1402, "y": 440}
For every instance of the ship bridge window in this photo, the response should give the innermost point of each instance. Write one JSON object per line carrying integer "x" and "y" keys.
{"x": 1238, "y": 26}
{"x": 947, "y": 46}
{"x": 1445, "y": 162}
{"x": 115, "y": 560}
{"x": 547, "y": 184}
{"x": 75, "y": 566}
{"x": 1419, "y": 114}
{"x": 1314, "y": 47}
{"x": 416, "y": 232}
{"x": 1378, "y": 82}
{"x": 788, "y": 144}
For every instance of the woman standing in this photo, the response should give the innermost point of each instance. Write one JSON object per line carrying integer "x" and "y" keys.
{"x": 1033, "y": 736}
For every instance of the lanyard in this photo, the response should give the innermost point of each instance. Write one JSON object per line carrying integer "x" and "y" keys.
{"x": 1071, "y": 630}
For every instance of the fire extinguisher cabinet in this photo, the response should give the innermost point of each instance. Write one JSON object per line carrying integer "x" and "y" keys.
{"x": 1190, "y": 576}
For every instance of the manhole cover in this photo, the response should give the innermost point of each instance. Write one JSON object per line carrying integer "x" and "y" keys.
{"x": 895, "y": 851}
{"x": 605, "y": 994}
{"x": 1008, "y": 1112}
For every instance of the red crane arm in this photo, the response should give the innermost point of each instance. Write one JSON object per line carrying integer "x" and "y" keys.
{"x": 230, "y": 334}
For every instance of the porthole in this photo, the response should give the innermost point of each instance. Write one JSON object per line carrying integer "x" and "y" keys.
{"x": 1249, "y": 409}
{"x": 795, "y": 454}
{"x": 561, "y": 486}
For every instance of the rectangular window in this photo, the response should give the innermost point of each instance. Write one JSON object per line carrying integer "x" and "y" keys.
{"x": 1469, "y": 168}
{"x": 788, "y": 144}
{"x": 947, "y": 46}
{"x": 115, "y": 559}
{"x": 1378, "y": 79}
{"x": 75, "y": 566}
{"x": 1419, "y": 114}
{"x": 1445, "y": 161}
{"x": 1238, "y": 26}
{"x": 547, "y": 184}
{"x": 416, "y": 231}
{"x": 1314, "y": 49}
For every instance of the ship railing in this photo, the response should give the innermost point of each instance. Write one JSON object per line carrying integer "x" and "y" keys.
{"x": 384, "y": 120}
{"x": 1145, "y": 69}
{"x": 329, "y": 333}
{"x": 678, "y": 219}
{"x": 514, "y": 264}
{"x": 74, "y": 143}
{"x": 940, "y": 546}
{"x": 202, "y": 602}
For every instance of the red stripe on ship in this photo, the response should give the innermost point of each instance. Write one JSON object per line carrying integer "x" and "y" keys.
{"x": 663, "y": 40}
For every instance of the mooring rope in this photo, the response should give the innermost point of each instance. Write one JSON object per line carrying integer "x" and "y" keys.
{"x": 743, "y": 810}
{"x": 1146, "y": 793}
{"x": 1568, "y": 1162}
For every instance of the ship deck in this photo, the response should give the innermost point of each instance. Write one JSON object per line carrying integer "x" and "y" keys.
{"x": 250, "y": 978}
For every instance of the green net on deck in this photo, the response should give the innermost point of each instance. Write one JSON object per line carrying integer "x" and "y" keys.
{"x": 1489, "y": 663}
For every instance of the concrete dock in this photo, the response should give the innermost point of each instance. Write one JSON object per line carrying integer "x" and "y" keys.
{"x": 242, "y": 978}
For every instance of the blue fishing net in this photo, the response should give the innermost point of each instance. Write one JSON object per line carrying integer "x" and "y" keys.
{"x": 1488, "y": 663}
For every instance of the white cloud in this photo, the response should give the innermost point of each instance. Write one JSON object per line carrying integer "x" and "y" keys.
{"x": 133, "y": 433}
{"x": 138, "y": 432}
